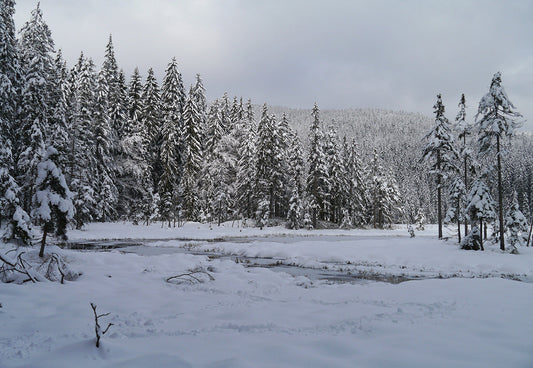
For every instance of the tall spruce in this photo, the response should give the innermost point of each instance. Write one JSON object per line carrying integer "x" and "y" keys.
{"x": 464, "y": 129}
{"x": 105, "y": 193}
{"x": 9, "y": 73}
{"x": 318, "y": 180}
{"x": 14, "y": 221}
{"x": 171, "y": 139}
{"x": 151, "y": 119}
{"x": 192, "y": 155}
{"x": 440, "y": 152}
{"x": 81, "y": 160}
{"x": 496, "y": 118}
{"x": 53, "y": 207}
{"x": 36, "y": 48}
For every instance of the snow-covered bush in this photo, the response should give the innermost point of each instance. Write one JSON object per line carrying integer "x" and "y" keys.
{"x": 53, "y": 207}
{"x": 473, "y": 240}
{"x": 420, "y": 220}
{"x": 517, "y": 225}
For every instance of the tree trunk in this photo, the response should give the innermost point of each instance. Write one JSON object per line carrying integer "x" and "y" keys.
{"x": 481, "y": 235}
{"x": 500, "y": 193}
{"x": 466, "y": 182}
{"x": 43, "y": 244}
{"x": 439, "y": 196}
{"x": 529, "y": 235}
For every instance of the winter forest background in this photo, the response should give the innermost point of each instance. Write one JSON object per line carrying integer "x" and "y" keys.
{"x": 86, "y": 143}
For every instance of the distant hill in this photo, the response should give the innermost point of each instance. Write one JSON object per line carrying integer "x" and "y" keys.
{"x": 397, "y": 136}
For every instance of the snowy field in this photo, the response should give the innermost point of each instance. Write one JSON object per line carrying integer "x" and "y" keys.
{"x": 464, "y": 308}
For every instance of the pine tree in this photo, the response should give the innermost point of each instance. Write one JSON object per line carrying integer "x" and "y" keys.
{"x": 116, "y": 101}
{"x": 53, "y": 207}
{"x": 246, "y": 171}
{"x": 440, "y": 149}
{"x": 106, "y": 193}
{"x": 457, "y": 193}
{"x": 132, "y": 166}
{"x": 9, "y": 74}
{"x": 464, "y": 129}
{"x": 81, "y": 168}
{"x": 16, "y": 220}
{"x": 269, "y": 161}
{"x": 151, "y": 119}
{"x": 480, "y": 207}
{"x": 295, "y": 210}
{"x": 358, "y": 191}
{"x": 58, "y": 131}
{"x": 517, "y": 225}
{"x": 496, "y": 118}
{"x": 170, "y": 156}
{"x": 192, "y": 155}
{"x": 318, "y": 174}
{"x": 215, "y": 127}
{"x": 36, "y": 48}
{"x": 338, "y": 176}
{"x": 198, "y": 95}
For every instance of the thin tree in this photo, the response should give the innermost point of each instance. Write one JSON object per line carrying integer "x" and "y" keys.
{"x": 441, "y": 151}
{"x": 53, "y": 207}
{"x": 464, "y": 129}
{"x": 496, "y": 118}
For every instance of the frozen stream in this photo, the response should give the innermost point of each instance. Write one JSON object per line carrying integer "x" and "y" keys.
{"x": 329, "y": 272}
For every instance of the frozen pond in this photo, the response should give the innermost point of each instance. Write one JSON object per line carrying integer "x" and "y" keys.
{"x": 328, "y": 273}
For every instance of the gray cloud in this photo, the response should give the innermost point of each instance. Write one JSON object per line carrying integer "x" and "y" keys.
{"x": 387, "y": 54}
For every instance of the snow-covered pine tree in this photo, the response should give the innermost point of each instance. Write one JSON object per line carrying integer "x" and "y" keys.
{"x": 358, "y": 191}
{"x": 215, "y": 127}
{"x": 105, "y": 191}
{"x": 58, "y": 132}
{"x": 171, "y": 138}
{"x": 517, "y": 225}
{"x": 457, "y": 193}
{"x": 198, "y": 94}
{"x": 151, "y": 119}
{"x": 479, "y": 209}
{"x": 9, "y": 74}
{"x": 496, "y": 118}
{"x": 464, "y": 129}
{"x": 15, "y": 223}
{"x": 338, "y": 176}
{"x": 192, "y": 156}
{"x": 82, "y": 161}
{"x": 116, "y": 96}
{"x": 36, "y": 48}
{"x": 318, "y": 174}
{"x": 269, "y": 162}
{"x": 294, "y": 214}
{"x": 246, "y": 170}
{"x": 295, "y": 164}
{"x": 440, "y": 152}
{"x": 133, "y": 173}
{"x": 420, "y": 220}
{"x": 53, "y": 207}
{"x": 383, "y": 193}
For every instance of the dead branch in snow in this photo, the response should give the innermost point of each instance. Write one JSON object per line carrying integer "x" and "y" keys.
{"x": 97, "y": 329}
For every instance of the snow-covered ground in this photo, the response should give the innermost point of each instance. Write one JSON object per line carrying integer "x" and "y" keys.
{"x": 255, "y": 317}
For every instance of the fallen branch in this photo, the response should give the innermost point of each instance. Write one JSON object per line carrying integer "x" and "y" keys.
{"x": 97, "y": 328}
{"x": 20, "y": 266}
{"x": 190, "y": 276}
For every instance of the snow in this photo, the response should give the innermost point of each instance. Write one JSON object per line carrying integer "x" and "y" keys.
{"x": 255, "y": 317}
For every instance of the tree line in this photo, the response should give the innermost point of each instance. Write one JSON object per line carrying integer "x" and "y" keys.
{"x": 86, "y": 144}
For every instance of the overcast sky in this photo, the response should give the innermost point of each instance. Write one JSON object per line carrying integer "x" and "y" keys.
{"x": 342, "y": 54}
